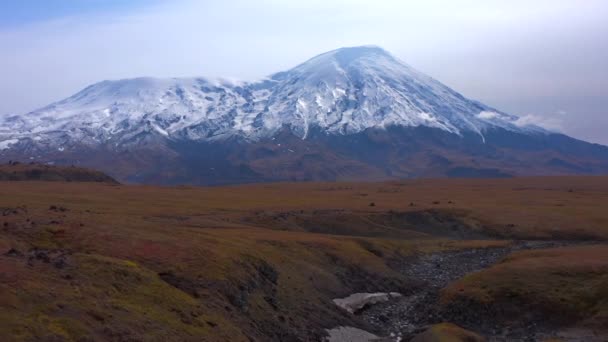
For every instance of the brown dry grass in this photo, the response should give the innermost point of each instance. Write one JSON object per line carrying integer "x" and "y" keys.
{"x": 521, "y": 207}
{"x": 120, "y": 239}
{"x": 178, "y": 264}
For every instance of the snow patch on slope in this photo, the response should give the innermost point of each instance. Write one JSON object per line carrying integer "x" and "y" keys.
{"x": 7, "y": 143}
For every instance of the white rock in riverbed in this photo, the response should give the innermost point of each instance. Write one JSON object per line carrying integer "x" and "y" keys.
{"x": 358, "y": 301}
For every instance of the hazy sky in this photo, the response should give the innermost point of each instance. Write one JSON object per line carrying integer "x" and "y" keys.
{"x": 546, "y": 60}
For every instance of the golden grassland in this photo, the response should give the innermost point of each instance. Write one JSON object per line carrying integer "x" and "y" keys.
{"x": 114, "y": 262}
{"x": 541, "y": 207}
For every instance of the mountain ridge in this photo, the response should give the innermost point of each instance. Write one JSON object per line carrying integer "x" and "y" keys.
{"x": 348, "y": 114}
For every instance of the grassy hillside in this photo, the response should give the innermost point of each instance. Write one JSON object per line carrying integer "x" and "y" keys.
{"x": 94, "y": 261}
{"x": 558, "y": 286}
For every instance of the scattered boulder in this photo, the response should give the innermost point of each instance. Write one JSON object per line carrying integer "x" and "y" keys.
{"x": 13, "y": 253}
{"x": 58, "y": 208}
{"x": 39, "y": 254}
{"x": 58, "y": 258}
{"x": 13, "y": 211}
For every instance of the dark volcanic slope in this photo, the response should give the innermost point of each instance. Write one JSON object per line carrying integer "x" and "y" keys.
{"x": 38, "y": 172}
{"x": 375, "y": 154}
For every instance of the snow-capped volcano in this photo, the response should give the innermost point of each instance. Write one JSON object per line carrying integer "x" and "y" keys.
{"x": 344, "y": 91}
{"x": 349, "y": 114}
{"x": 351, "y": 89}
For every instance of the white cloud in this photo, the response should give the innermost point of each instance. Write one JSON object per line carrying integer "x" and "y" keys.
{"x": 552, "y": 123}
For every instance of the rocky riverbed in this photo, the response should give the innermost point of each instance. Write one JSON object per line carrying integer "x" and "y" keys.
{"x": 400, "y": 318}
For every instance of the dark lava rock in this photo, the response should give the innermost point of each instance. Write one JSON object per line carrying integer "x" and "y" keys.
{"x": 13, "y": 253}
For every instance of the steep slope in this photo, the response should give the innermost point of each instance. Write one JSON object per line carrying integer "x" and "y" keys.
{"x": 348, "y": 114}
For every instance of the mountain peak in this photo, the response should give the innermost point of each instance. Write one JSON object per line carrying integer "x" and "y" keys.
{"x": 347, "y": 57}
{"x": 355, "y": 52}
{"x": 344, "y": 91}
